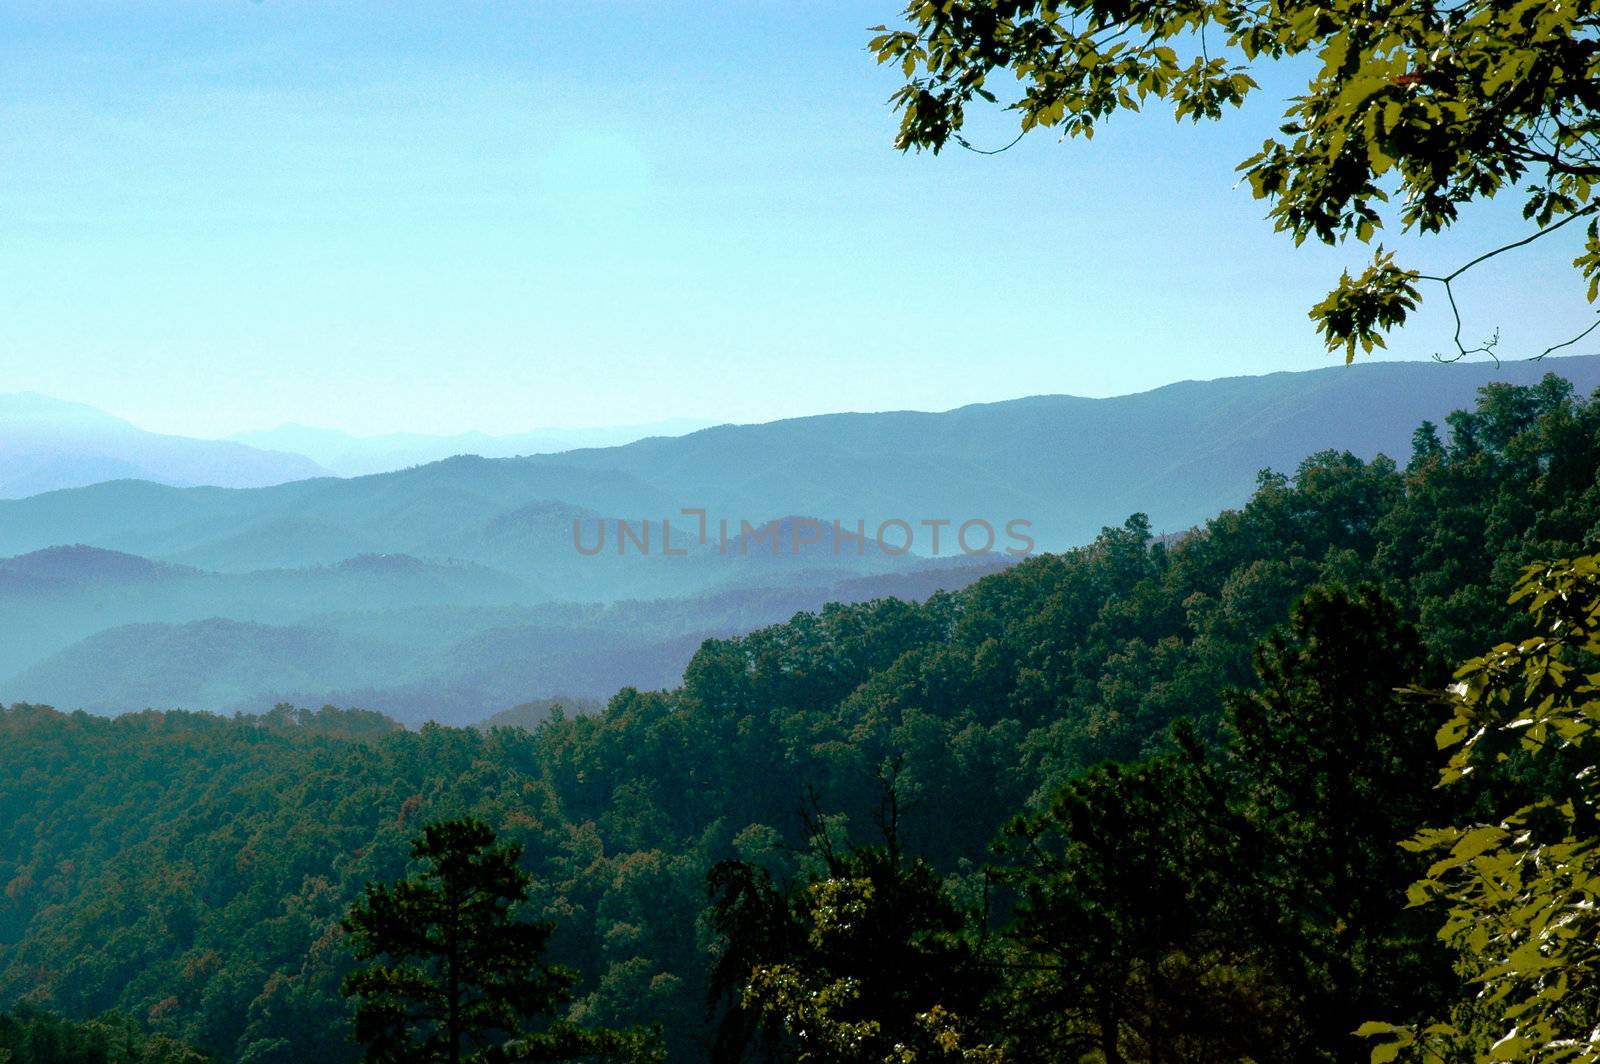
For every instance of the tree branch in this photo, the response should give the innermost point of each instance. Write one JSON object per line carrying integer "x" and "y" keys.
{"x": 1462, "y": 351}
{"x": 959, "y": 139}
{"x": 1489, "y": 345}
{"x": 1486, "y": 256}
{"x": 1565, "y": 343}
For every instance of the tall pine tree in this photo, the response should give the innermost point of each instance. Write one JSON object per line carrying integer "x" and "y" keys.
{"x": 454, "y": 975}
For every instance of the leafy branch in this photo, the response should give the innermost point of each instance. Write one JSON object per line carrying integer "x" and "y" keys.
{"x": 1415, "y": 110}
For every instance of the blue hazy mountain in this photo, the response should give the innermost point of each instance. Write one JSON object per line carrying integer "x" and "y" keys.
{"x": 70, "y": 593}
{"x": 47, "y": 444}
{"x": 348, "y": 455}
{"x": 1070, "y": 465}
{"x": 455, "y": 663}
{"x": 1066, "y": 464}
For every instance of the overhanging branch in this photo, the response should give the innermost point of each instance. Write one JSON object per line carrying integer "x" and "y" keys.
{"x": 1488, "y": 346}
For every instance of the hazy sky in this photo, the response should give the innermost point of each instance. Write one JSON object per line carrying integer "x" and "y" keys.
{"x": 438, "y": 216}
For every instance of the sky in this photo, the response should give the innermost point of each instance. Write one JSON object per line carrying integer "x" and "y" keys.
{"x": 411, "y": 216}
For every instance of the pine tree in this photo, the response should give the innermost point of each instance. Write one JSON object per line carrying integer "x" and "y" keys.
{"x": 454, "y": 974}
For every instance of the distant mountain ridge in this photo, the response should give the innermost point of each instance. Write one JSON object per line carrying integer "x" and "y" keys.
{"x": 1069, "y": 464}
{"x": 68, "y": 594}
{"x": 351, "y": 456}
{"x": 1065, "y": 465}
{"x": 49, "y": 445}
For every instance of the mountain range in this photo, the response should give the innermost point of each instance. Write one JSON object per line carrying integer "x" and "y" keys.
{"x": 416, "y": 640}
{"x": 457, "y": 588}
{"x": 47, "y": 444}
{"x": 1069, "y": 465}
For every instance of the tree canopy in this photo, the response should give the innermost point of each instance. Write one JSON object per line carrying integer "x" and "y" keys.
{"x": 1414, "y": 109}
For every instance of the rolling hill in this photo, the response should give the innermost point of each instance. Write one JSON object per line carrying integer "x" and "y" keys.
{"x": 1070, "y": 465}
{"x": 453, "y": 663}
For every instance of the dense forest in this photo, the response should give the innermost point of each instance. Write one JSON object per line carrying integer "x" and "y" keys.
{"x": 1141, "y": 800}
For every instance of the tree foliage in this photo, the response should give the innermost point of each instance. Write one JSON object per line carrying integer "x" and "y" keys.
{"x": 29, "y": 1036}
{"x": 1520, "y": 889}
{"x": 454, "y": 974}
{"x": 1243, "y": 904}
{"x": 1413, "y": 110}
{"x": 868, "y": 958}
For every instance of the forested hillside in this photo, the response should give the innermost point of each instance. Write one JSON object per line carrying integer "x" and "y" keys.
{"x": 1231, "y": 888}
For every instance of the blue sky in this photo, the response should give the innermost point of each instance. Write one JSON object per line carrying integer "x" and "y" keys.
{"x": 421, "y": 216}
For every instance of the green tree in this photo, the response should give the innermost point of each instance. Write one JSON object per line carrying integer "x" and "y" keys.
{"x": 1126, "y": 944}
{"x": 867, "y": 961}
{"x": 454, "y": 974}
{"x": 1415, "y": 109}
{"x": 864, "y": 964}
{"x": 28, "y": 1036}
{"x": 1330, "y": 762}
{"x": 1520, "y": 889}
{"x": 1243, "y": 907}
